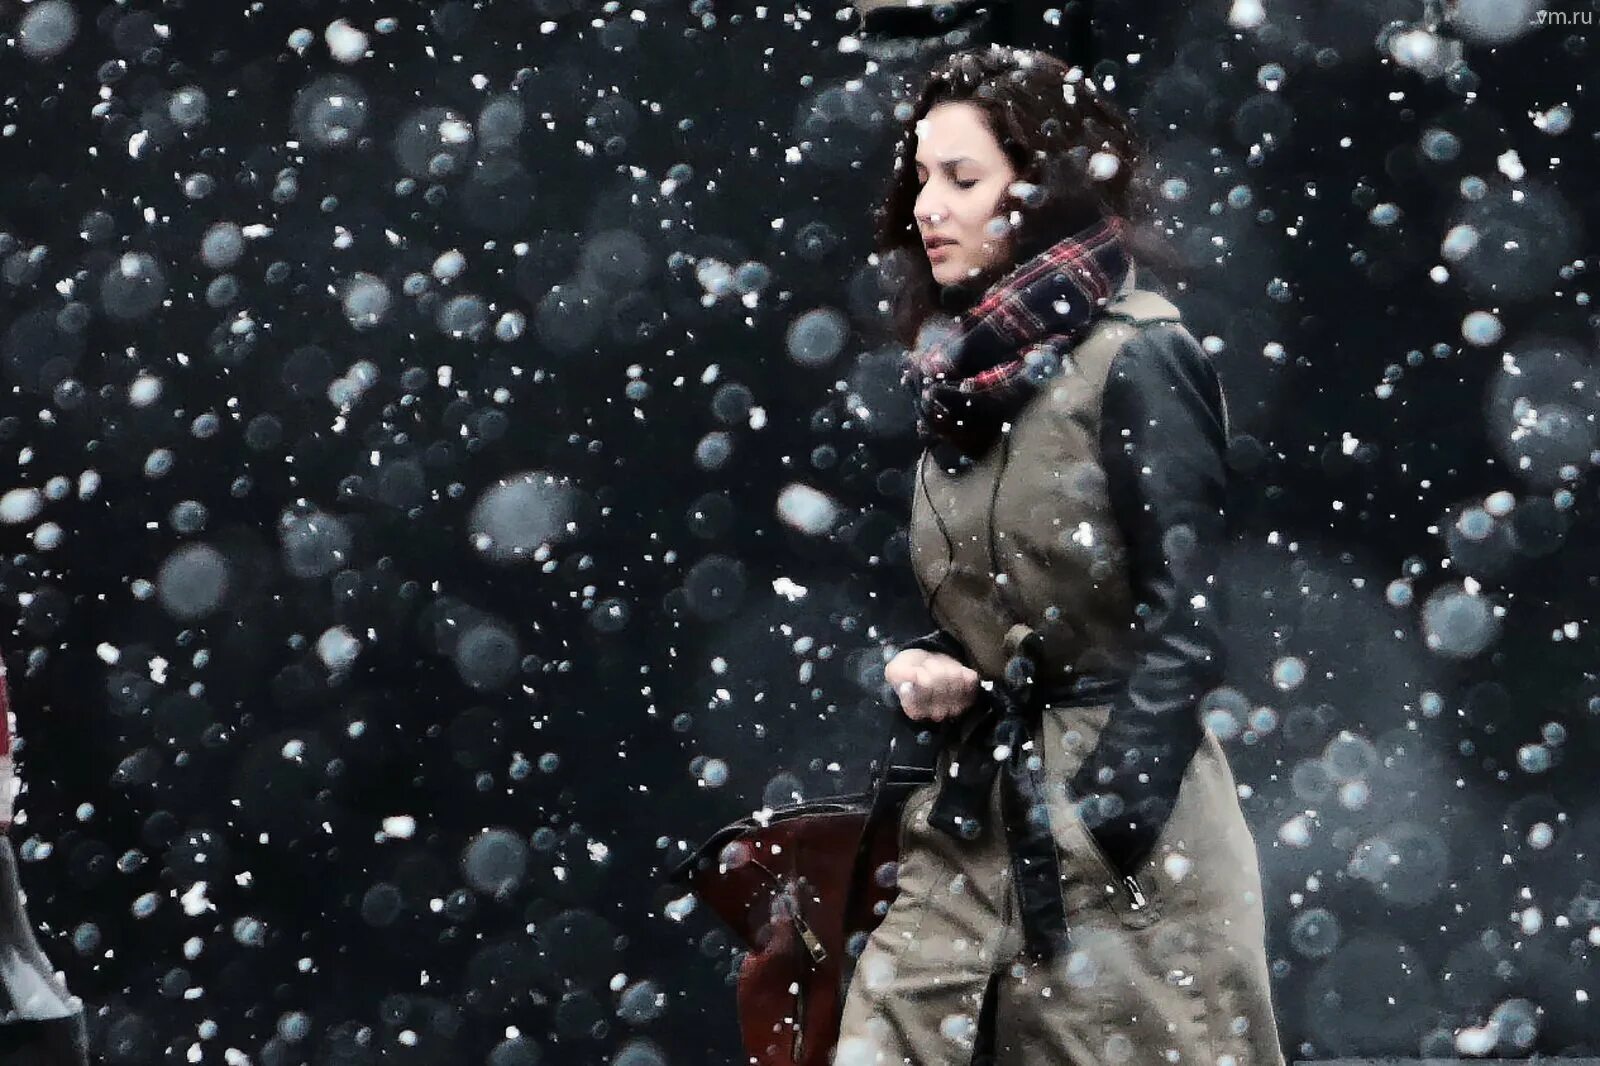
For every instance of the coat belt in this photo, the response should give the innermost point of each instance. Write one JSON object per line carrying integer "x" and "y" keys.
{"x": 1001, "y": 743}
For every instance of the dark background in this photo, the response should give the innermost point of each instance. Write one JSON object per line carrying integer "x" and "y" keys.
{"x": 656, "y": 193}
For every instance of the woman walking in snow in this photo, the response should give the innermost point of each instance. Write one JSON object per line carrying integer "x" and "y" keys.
{"x": 1078, "y": 884}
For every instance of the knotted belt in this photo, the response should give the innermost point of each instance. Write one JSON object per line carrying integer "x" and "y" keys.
{"x": 1001, "y": 743}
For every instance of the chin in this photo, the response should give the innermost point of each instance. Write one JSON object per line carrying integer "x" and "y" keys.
{"x": 948, "y": 273}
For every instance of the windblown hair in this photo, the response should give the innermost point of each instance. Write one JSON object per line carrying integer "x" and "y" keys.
{"x": 1075, "y": 154}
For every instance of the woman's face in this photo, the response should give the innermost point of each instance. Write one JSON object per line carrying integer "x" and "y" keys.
{"x": 962, "y": 175}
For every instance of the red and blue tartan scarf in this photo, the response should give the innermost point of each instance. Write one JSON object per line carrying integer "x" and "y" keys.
{"x": 970, "y": 376}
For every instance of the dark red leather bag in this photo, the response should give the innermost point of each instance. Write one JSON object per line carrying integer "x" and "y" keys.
{"x": 796, "y": 884}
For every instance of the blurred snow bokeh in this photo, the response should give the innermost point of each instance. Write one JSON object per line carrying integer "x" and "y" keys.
{"x": 457, "y": 463}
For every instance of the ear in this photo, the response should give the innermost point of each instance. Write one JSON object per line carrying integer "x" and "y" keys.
{"x": 1069, "y": 196}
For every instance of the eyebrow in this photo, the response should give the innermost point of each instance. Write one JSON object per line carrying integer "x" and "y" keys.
{"x": 948, "y": 164}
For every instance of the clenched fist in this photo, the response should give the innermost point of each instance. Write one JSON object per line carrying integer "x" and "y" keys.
{"x": 932, "y": 686}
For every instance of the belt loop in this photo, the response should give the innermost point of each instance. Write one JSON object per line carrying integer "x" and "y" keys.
{"x": 1023, "y": 649}
{"x": 1023, "y": 639}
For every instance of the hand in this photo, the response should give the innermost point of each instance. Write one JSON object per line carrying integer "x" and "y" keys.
{"x": 932, "y": 686}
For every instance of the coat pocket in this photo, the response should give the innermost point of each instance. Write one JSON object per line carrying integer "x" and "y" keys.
{"x": 1090, "y": 879}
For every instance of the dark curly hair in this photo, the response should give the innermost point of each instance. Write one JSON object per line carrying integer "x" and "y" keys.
{"x": 1049, "y": 121}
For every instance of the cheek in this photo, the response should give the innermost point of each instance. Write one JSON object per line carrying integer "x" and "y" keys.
{"x": 980, "y": 224}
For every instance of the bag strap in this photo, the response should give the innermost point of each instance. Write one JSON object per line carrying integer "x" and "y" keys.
{"x": 909, "y": 760}
{"x": 910, "y": 757}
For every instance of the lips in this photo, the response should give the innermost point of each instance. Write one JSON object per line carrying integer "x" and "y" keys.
{"x": 937, "y": 242}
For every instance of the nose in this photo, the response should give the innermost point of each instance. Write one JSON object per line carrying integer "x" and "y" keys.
{"x": 925, "y": 209}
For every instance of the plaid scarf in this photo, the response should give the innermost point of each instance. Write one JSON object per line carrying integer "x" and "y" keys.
{"x": 970, "y": 375}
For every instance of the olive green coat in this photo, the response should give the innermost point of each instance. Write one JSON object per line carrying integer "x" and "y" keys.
{"x": 1181, "y": 979}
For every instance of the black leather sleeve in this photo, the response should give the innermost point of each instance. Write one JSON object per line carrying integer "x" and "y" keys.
{"x": 941, "y": 640}
{"x": 1162, "y": 442}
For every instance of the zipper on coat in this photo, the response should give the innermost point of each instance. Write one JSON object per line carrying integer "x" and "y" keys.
{"x": 1130, "y": 884}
